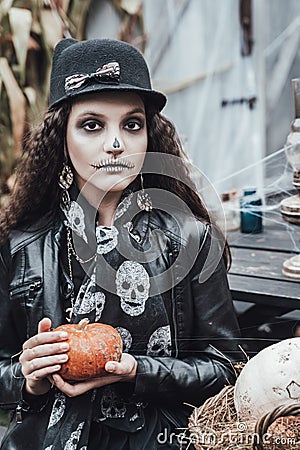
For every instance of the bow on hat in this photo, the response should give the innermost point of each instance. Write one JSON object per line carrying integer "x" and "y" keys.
{"x": 107, "y": 73}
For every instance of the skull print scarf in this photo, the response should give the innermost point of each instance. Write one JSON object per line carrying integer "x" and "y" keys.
{"x": 113, "y": 287}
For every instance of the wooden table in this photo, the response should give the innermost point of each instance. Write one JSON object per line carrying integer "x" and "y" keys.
{"x": 256, "y": 277}
{"x": 256, "y": 273}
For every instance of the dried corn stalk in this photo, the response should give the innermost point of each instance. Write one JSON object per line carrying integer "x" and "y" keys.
{"x": 132, "y": 23}
{"x": 29, "y": 30}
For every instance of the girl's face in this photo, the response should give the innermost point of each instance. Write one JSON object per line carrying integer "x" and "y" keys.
{"x": 107, "y": 139}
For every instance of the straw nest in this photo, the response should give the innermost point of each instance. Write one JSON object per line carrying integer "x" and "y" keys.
{"x": 215, "y": 425}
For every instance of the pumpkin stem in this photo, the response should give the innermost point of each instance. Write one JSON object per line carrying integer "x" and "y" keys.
{"x": 83, "y": 324}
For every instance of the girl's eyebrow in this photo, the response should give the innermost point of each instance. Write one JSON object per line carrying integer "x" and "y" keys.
{"x": 89, "y": 113}
{"x": 135, "y": 111}
{"x": 98, "y": 114}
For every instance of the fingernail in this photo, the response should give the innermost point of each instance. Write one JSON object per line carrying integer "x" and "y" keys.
{"x": 63, "y": 335}
{"x": 110, "y": 367}
{"x": 64, "y": 347}
{"x": 55, "y": 378}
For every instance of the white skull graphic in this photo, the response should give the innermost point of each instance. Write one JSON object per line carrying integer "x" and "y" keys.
{"x": 160, "y": 342}
{"x": 112, "y": 407}
{"x": 126, "y": 338}
{"x": 58, "y": 409}
{"x": 72, "y": 442}
{"x": 88, "y": 299}
{"x": 133, "y": 284}
{"x": 107, "y": 239}
{"x": 75, "y": 219}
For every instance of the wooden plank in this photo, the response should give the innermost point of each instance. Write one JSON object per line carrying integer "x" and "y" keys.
{"x": 256, "y": 272}
{"x": 260, "y": 264}
{"x": 280, "y": 236}
{"x": 265, "y": 292}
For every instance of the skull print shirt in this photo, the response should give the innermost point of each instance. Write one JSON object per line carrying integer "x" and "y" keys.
{"x": 113, "y": 287}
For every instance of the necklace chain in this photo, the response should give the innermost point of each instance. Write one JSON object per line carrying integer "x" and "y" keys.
{"x": 69, "y": 311}
{"x": 71, "y": 249}
{"x": 70, "y": 252}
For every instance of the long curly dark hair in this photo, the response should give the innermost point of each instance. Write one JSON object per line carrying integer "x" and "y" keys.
{"x": 37, "y": 193}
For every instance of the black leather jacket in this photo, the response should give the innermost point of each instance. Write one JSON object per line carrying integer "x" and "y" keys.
{"x": 34, "y": 284}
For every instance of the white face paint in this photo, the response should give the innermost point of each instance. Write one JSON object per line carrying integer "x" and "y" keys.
{"x": 94, "y": 122}
{"x": 111, "y": 406}
{"x": 160, "y": 342}
{"x": 107, "y": 239}
{"x": 133, "y": 284}
{"x": 126, "y": 338}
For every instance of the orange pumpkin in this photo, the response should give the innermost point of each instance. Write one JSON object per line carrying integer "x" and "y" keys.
{"x": 91, "y": 346}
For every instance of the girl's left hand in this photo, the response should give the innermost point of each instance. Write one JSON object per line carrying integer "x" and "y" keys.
{"x": 125, "y": 370}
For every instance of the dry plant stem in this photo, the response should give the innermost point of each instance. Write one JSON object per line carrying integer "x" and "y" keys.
{"x": 217, "y": 418}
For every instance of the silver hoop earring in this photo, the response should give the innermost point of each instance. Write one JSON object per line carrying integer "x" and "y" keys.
{"x": 65, "y": 181}
{"x": 143, "y": 199}
{"x": 116, "y": 143}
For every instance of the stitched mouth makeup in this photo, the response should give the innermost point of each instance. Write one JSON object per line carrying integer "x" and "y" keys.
{"x": 113, "y": 165}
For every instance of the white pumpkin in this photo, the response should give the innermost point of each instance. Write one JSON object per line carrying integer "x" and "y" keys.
{"x": 269, "y": 379}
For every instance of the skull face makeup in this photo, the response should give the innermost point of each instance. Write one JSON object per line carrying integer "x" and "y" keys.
{"x": 132, "y": 282}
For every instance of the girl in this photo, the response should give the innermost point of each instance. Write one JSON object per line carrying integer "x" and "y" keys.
{"x": 104, "y": 223}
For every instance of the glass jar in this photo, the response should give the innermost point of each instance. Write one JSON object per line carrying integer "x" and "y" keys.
{"x": 251, "y": 212}
{"x": 230, "y": 203}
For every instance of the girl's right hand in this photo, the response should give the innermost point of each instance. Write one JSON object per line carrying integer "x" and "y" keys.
{"x": 42, "y": 356}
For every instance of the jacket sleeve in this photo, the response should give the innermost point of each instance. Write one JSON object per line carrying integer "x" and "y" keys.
{"x": 213, "y": 342}
{"x": 12, "y": 336}
{"x": 11, "y": 378}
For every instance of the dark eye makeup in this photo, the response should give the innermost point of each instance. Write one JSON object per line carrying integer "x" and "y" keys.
{"x": 91, "y": 125}
{"x": 133, "y": 124}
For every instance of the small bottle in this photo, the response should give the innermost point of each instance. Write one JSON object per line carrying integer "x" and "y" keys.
{"x": 251, "y": 213}
{"x": 231, "y": 210}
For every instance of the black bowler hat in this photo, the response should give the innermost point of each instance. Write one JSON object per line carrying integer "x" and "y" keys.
{"x": 100, "y": 65}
